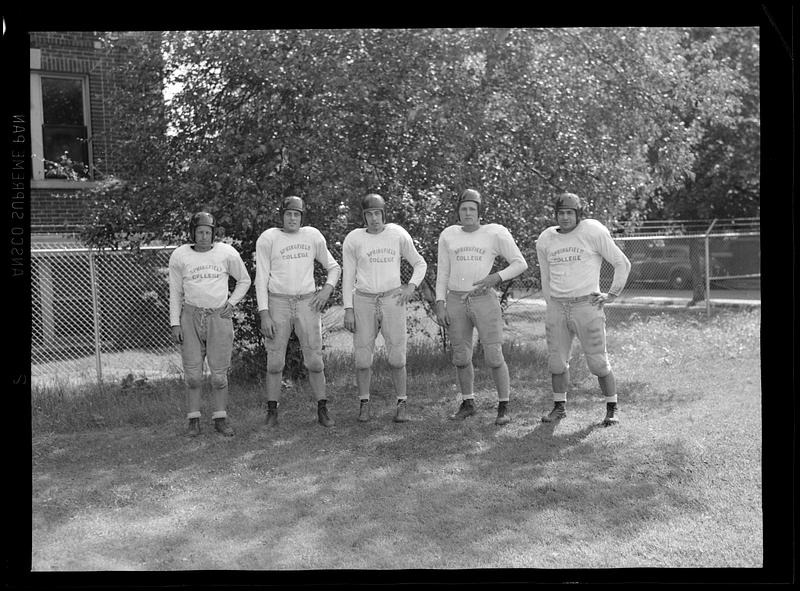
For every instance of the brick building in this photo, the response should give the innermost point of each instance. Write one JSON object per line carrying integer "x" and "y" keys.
{"x": 72, "y": 78}
{"x": 77, "y": 138}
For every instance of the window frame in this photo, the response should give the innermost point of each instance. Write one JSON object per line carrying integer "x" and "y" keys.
{"x": 37, "y": 120}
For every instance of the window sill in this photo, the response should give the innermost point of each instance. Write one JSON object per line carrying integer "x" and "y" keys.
{"x": 62, "y": 184}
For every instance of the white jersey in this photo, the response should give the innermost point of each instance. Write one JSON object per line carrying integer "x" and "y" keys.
{"x": 285, "y": 263}
{"x": 466, "y": 257}
{"x": 201, "y": 278}
{"x": 371, "y": 262}
{"x": 570, "y": 263}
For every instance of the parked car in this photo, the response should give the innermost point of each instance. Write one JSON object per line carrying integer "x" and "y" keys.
{"x": 667, "y": 266}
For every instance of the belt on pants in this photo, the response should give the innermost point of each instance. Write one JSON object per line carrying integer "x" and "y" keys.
{"x": 203, "y": 314}
{"x": 288, "y": 296}
{"x": 586, "y": 298}
{"x": 292, "y": 300}
{"x": 376, "y": 295}
{"x": 471, "y": 294}
{"x": 202, "y": 311}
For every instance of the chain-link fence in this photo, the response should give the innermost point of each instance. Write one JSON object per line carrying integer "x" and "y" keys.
{"x": 100, "y": 315}
{"x": 690, "y": 260}
{"x": 693, "y": 263}
{"x": 104, "y": 315}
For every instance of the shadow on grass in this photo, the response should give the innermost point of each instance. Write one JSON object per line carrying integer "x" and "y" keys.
{"x": 424, "y": 494}
{"x": 431, "y": 493}
{"x": 632, "y": 393}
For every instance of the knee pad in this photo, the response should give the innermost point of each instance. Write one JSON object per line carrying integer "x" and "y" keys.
{"x": 556, "y": 365}
{"x": 462, "y": 356}
{"x": 598, "y": 364}
{"x": 493, "y": 355}
{"x": 275, "y": 363}
{"x": 219, "y": 380}
{"x": 363, "y": 358}
{"x": 193, "y": 379}
{"x": 396, "y": 359}
{"x": 313, "y": 361}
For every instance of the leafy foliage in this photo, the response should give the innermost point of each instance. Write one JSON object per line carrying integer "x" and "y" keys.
{"x": 636, "y": 120}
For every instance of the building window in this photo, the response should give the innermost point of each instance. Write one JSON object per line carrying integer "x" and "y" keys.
{"x": 59, "y": 128}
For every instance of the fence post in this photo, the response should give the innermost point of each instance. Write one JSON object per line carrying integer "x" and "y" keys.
{"x": 96, "y": 314}
{"x": 708, "y": 268}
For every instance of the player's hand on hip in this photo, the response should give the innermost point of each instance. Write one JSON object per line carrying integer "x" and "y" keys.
{"x": 227, "y": 310}
{"x": 319, "y": 299}
{"x": 405, "y": 294}
{"x": 441, "y": 314}
{"x": 599, "y": 299}
{"x": 177, "y": 334}
{"x": 350, "y": 319}
{"x": 483, "y": 285}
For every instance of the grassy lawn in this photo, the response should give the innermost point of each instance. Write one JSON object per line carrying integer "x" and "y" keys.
{"x": 116, "y": 485}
